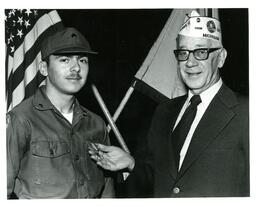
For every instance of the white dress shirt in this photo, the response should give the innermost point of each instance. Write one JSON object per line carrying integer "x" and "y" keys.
{"x": 206, "y": 97}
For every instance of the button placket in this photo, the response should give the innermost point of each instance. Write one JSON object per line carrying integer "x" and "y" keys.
{"x": 76, "y": 158}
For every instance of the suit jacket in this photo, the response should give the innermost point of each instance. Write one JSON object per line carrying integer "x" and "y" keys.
{"x": 217, "y": 161}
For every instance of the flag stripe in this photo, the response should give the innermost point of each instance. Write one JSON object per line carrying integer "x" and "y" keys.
{"x": 209, "y": 13}
{"x": 30, "y": 89}
{"x": 18, "y": 93}
{"x": 8, "y": 89}
{"x": 30, "y": 72}
{"x": 33, "y": 84}
{"x": 9, "y": 66}
{"x": 7, "y": 59}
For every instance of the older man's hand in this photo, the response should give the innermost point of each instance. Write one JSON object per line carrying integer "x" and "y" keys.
{"x": 110, "y": 157}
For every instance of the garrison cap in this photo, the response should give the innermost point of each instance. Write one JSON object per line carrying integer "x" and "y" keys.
{"x": 200, "y": 26}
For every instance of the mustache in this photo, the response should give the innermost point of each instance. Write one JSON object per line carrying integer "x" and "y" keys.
{"x": 74, "y": 76}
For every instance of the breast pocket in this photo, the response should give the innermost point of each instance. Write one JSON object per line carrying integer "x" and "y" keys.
{"x": 51, "y": 164}
{"x": 50, "y": 149}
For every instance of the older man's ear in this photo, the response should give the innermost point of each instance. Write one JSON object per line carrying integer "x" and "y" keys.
{"x": 222, "y": 57}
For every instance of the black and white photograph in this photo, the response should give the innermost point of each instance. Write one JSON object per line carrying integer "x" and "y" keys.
{"x": 124, "y": 103}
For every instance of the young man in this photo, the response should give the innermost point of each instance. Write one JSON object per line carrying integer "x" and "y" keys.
{"x": 198, "y": 143}
{"x": 49, "y": 133}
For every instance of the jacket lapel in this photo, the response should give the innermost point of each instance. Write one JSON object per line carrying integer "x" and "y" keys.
{"x": 215, "y": 118}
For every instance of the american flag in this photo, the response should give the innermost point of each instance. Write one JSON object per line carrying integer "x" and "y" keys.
{"x": 25, "y": 30}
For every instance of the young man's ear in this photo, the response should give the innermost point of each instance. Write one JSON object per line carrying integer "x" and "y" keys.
{"x": 222, "y": 57}
{"x": 43, "y": 68}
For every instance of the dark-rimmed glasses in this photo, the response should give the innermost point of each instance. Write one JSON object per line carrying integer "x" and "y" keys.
{"x": 199, "y": 54}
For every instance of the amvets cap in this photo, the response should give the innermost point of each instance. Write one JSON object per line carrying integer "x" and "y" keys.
{"x": 200, "y": 26}
{"x": 68, "y": 40}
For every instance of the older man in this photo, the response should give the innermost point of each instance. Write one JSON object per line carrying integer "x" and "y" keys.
{"x": 197, "y": 143}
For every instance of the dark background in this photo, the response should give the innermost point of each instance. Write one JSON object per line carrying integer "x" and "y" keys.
{"x": 123, "y": 39}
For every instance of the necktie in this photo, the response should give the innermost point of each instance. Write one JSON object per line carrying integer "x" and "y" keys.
{"x": 179, "y": 134}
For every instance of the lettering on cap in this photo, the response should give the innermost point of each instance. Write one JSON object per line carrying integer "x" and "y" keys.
{"x": 200, "y": 26}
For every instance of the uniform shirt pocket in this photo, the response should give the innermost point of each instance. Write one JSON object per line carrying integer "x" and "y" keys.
{"x": 50, "y": 149}
{"x": 51, "y": 165}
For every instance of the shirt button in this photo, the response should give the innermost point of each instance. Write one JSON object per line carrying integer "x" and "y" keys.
{"x": 51, "y": 152}
{"x": 81, "y": 182}
{"x": 76, "y": 157}
{"x": 176, "y": 190}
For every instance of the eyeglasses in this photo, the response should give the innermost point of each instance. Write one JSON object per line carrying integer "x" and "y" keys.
{"x": 199, "y": 54}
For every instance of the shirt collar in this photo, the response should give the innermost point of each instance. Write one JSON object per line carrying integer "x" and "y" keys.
{"x": 78, "y": 109}
{"x": 207, "y": 95}
{"x": 42, "y": 102}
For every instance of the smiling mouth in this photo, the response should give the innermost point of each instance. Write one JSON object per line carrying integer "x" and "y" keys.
{"x": 193, "y": 74}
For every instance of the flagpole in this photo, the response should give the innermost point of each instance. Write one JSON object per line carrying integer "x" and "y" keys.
{"x": 110, "y": 119}
{"x": 122, "y": 104}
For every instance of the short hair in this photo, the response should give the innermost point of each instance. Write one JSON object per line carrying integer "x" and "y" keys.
{"x": 47, "y": 60}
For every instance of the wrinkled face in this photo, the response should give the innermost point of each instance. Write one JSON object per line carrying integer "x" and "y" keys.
{"x": 199, "y": 75}
{"x": 66, "y": 74}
